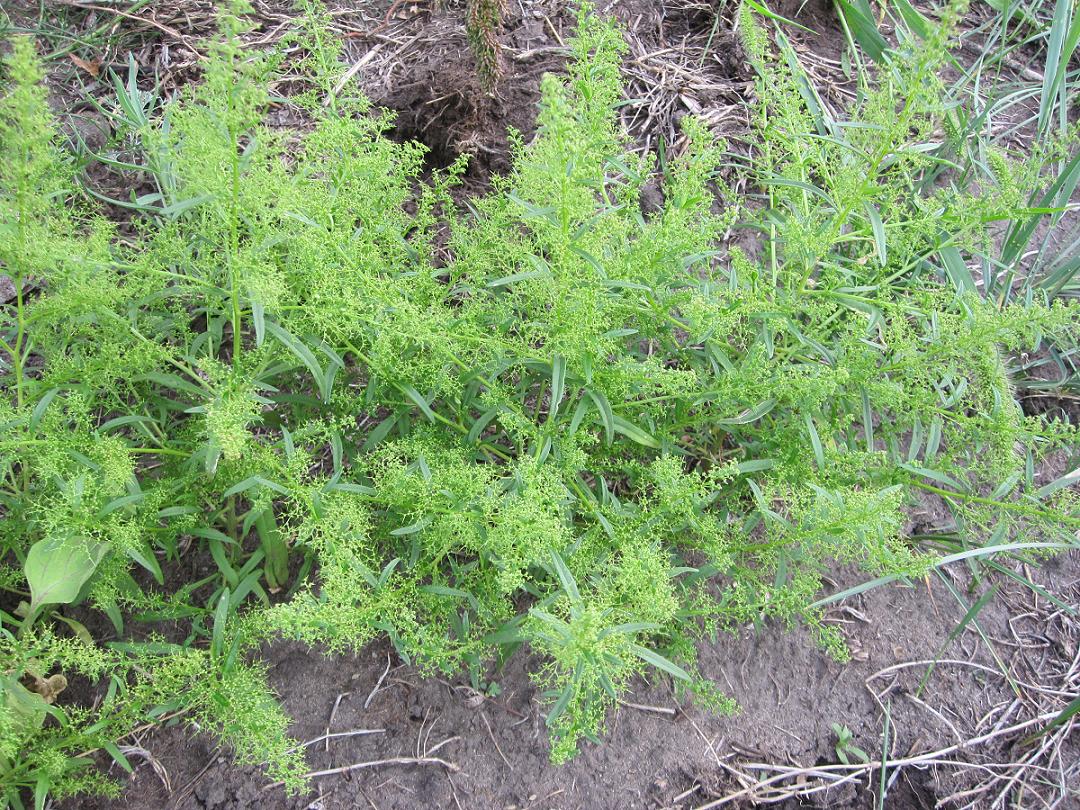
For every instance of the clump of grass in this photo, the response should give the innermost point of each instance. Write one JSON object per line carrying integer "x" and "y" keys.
{"x": 589, "y": 431}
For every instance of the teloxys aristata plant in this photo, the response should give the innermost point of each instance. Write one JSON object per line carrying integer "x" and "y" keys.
{"x": 576, "y": 427}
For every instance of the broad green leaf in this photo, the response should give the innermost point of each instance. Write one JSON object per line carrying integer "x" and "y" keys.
{"x": 58, "y": 567}
{"x": 28, "y": 709}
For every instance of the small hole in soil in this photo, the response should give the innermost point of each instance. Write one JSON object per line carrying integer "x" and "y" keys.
{"x": 434, "y": 130}
{"x": 443, "y": 110}
{"x": 448, "y": 112}
{"x": 1050, "y": 405}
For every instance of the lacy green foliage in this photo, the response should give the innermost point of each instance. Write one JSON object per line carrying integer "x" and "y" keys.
{"x": 47, "y": 747}
{"x": 572, "y": 426}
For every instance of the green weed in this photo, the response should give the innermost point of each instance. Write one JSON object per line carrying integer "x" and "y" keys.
{"x": 845, "y": 747}
{"x": 588, "y": 430}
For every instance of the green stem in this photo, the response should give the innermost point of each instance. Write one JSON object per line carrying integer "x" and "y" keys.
{"x": 20, "y": 336}
{"x": 234, "y": 225}
{"x": 1011, "y": 506}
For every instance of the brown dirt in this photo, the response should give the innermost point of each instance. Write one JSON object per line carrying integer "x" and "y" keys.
{"x": 662, "y": 752}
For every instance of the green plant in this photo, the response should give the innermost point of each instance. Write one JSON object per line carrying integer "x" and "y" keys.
{"x": 572, "y": 426}
{"x": 845, "y": 747}
{"x": 482, "y": 22}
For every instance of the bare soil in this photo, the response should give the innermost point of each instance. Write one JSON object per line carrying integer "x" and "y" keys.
{"x": 660, "y": 750}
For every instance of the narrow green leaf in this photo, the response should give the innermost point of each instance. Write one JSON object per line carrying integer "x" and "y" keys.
{"x": 346, "y": 486}
{"x": 41, "y": 407}
{"x": 253, "y": 482}
{"x": 956, "y": 269}
{"x": 274, "y": 547}
{"x": 120, "y": 503}
{"x": 629, "y": 628}
{"x": 258, "y": 317}
{"x": 558, "y": 384}
{"x": 560, "y": 705}
{"x": 914, "y": 18}
{"x": 878, "y": 228}
{"x": 660, "y": 662}
{"x": 815, "y": 441}
{"x": 117, "y": 756}
{"x": 147, "y": 560}
{"x": 935, "y": 475}
{"x": 480, "y": 425}
{"x": 1063, "y": 717}
{"x": 1060, "y": 44}
{"x": 379, "y": 432}
{"x": 755, "y": 465}
{"x": 221, "y": 617}
{"x": 1067, "y": 480}
{"x": 633, "y": 432}
{"x": 606, "y": 415}
{"x": 860, "y": 20}
{"x": 971, "y": 553}
{"x": 541, "y": 269}
{"x": 299, "y": 349}
{"x": 566, "y": 579}
{"x": 764, "y": 11}
{"x": 419, "y": 399}
{"x": 750, "y": 415}
{"x": 868, "y": 422}
{"x": 419, "y": 526}
{"x": 579, "y": 414}
{"x": 968, "y": 617}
